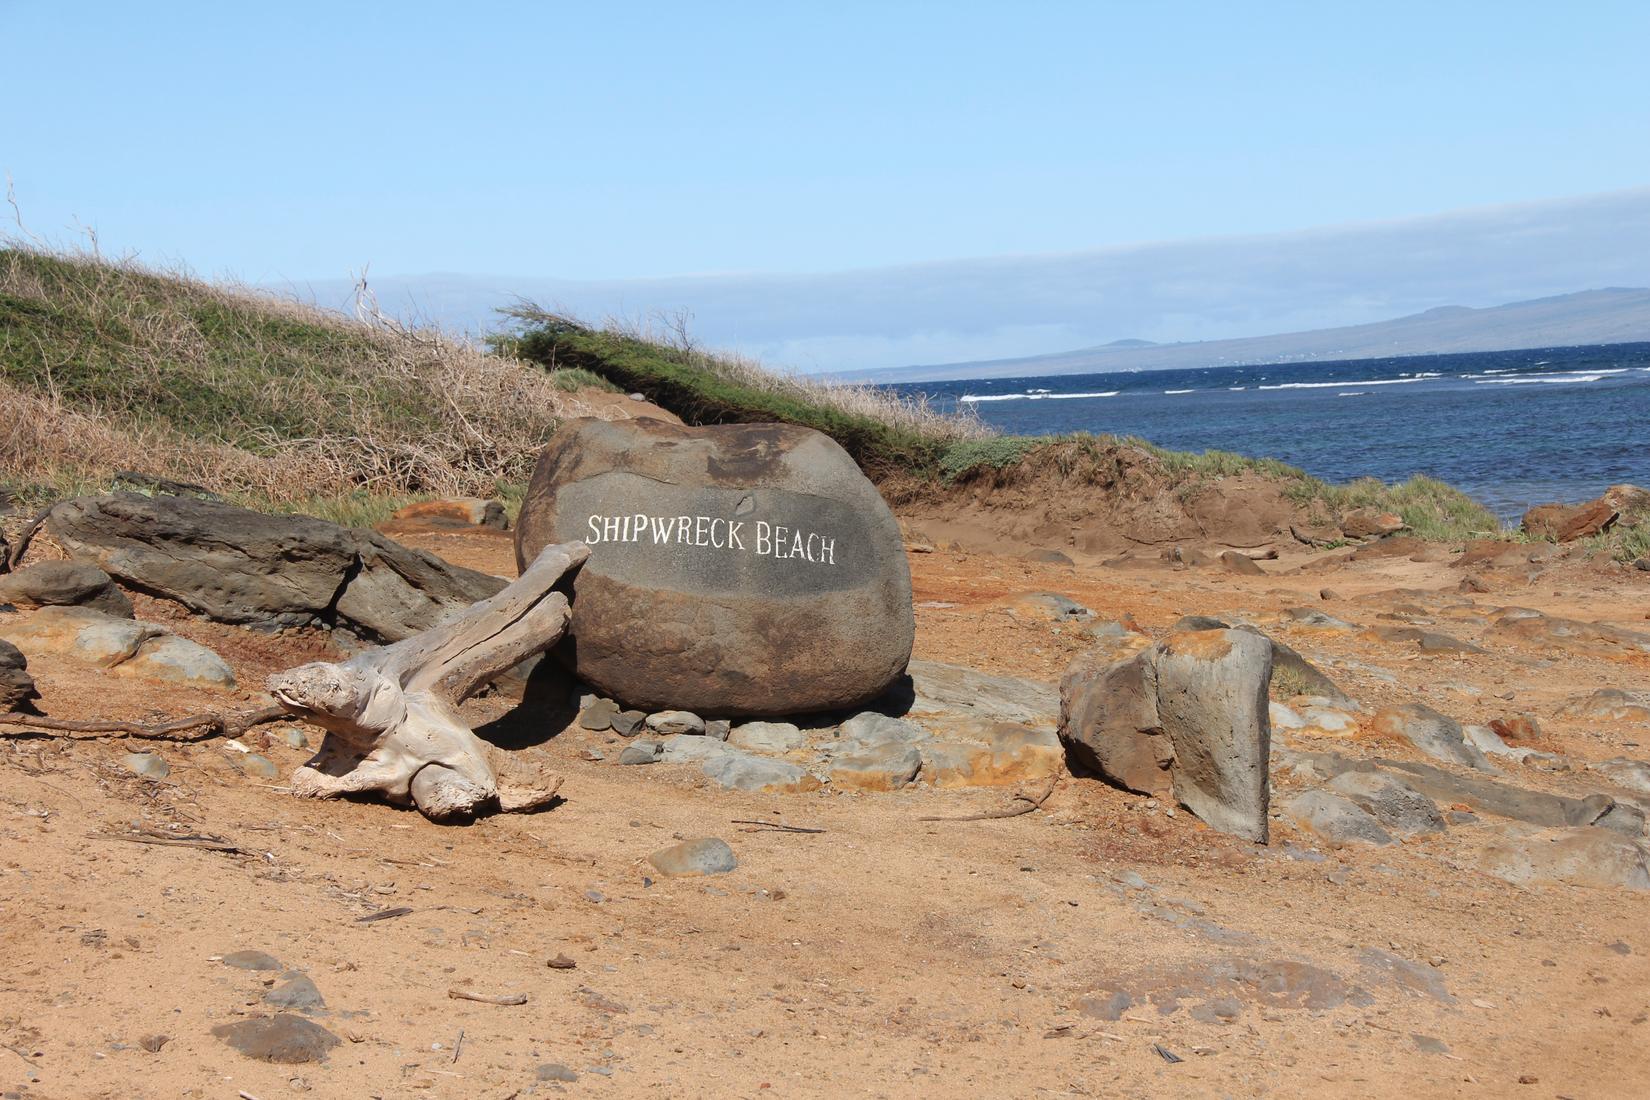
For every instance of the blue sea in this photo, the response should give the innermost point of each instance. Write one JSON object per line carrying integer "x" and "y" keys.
{"x": 1513, "y": 428}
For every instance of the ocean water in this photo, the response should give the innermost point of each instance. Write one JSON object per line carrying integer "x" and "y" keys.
{"x": 1513, "y": 428}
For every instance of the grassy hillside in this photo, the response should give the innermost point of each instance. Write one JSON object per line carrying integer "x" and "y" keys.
{"x": 894, "y": 438}
{"x": 109, "y": 366}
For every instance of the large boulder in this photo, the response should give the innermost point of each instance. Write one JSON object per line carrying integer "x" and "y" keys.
{"x": 1194, "y": 706}
{"x": 745, "y": 569}
{"x": 239, "y": 566}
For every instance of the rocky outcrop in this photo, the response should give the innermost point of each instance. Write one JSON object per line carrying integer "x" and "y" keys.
{"x": 735, "y": 570}
{"x": 1568, "y": 522}
{"x": 1518, "y": 624}
{"x": 1187, "y": 715}
{"x": 1585, "y": 857}
{"x": 64, "y": 584}
{"x": 17, "y": 691}
{"x": 124, "y": 646}
{"x": 238, "y": 566}
{"x": 1368, "y": 523}
{"x": 1437, "y": 735}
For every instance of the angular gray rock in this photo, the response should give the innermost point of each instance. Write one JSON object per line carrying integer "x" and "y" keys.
{"x": 880, "y": 768}
{"x": 238, "y": 566}
{"x": 641, "y": 752}
{"x": 706, "y": 856}
{"x": 740, "y": 570}
{"x": 1204, "y": 693}
{"x": 64, "y": 584}
{"x": 1398, "y": 806}
{"x": 17, "y": 691}
{"x": 1335, "y": 820}
{"x": 1437, "y": 735}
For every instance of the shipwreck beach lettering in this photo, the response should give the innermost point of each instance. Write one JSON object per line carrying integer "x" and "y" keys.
{"x": 768, "y": 540}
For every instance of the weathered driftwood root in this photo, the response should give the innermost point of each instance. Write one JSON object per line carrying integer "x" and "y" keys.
{"x": 390, "y": 713}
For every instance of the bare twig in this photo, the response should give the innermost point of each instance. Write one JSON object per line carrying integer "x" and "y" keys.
{"x": 384, "y": 914}
{"x": 488, "y": 998}
{"x": 196, "y": 727}
{"x": 774, "y": 826}
{"x": 1029, "y": 804}
{"x": 458, "y": 1045}
{"x": 206, "y": 843}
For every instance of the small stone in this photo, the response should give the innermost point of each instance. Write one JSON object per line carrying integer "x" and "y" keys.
{"x": 259, "y": 767}
{"x": 153, "y": 1043}
{"x": 561, "y": 962}
{"x": 282, "y": 1038}
{"x": 705, "y": 856}
{"x": 598, "y": 715}
{"x": 641, "y": 752}
{"x": 719, "y": 729}
{"x": 290, "y": 736}
{"x": 146, "y": 764}
{"x": 685, "y": 748}
{"x": 668, "y": 722}
{"x": 595, "y": 756}
{"x": 1426, "y": 1044}
{"x": 251, "y": 960}
{"x": 1619, "y": 948}
{"x": 1335, "y": 820}
{"x": 883, "y": 768}
{"x": 627, "y": 722}
{"x": 555, "y": 1071}
{"x": 296, "y": 992}
{"x": 1132, "y": 879}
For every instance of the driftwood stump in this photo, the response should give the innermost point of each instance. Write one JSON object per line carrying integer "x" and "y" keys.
{"x": 391, "y": 713}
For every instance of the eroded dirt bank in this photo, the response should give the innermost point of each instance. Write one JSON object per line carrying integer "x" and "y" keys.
{"x": 885, "y": 956}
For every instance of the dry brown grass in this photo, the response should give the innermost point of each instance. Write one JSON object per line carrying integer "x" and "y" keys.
{"x": 109, "y": 366}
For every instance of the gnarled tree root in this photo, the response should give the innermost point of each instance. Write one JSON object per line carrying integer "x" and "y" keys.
{"x": 391, "y": 713}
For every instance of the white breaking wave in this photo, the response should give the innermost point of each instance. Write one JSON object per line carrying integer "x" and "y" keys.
{"x": 1039, "y": 395}
{"x": 1337, "y": 385}
{"x": 1167, "y": 393}
{"x": 1549, "y": 379}
{"x": 1355, "y": 393}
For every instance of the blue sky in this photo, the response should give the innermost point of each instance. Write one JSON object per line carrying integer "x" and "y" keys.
{"x": 301, "y": 141}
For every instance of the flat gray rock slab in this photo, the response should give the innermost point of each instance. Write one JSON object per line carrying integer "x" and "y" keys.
{"x": 1335, "y": 820}
{"x": 741, "y": 772}
{"x": 1584, "y": 857}
{"x": 705, "y": 856}
{"x": 774, "y": 737}
{"x": 689, "y": 748}
{"x": 283, "y": 1038}
{"x": 954, "y": 690}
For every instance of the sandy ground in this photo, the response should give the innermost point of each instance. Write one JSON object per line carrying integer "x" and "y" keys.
{"x": 882, "y": 957}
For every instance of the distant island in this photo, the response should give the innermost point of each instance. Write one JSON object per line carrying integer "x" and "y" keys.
{"x": 1615, "y": 315}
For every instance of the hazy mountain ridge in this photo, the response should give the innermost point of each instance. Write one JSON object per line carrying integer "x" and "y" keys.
{"x": 1614, "y": 315}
